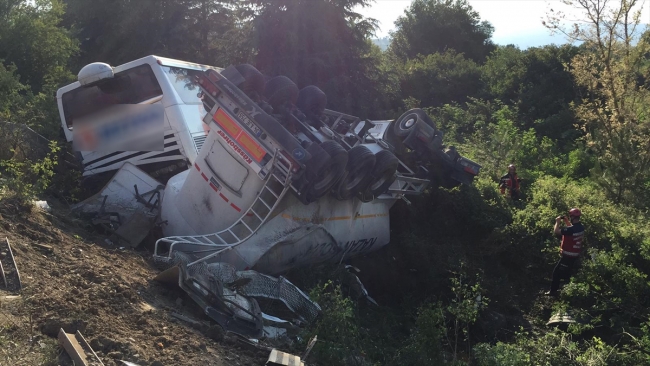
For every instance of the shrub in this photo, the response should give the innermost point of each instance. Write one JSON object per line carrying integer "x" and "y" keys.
{"x": 336, "y": 327}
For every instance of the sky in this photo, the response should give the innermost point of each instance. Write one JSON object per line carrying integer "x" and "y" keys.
{"x": 516, "y": 22}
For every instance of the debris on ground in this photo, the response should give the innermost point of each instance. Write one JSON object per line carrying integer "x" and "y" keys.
{"x": 78, "y": 349}
{"x": 8, "y": 268}
{"x": 278, "y": 358}
{"x": 227, "y": 296}
{"x": 561, "y": 317}
{"x": 126, "y": 207}
{"x": 72, "y": 280}
{"x": 310, "y": 345}
{"x": 42, "y": 205}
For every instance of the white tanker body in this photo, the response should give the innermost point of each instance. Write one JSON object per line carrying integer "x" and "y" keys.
{"x": 282, "y": 182}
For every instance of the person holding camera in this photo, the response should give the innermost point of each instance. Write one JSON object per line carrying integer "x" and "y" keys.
{"x": 510, "y": 182}
{"x": 570, "y": 248}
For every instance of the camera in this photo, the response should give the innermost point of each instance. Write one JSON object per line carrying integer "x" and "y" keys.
{"x": 563, "y": 217}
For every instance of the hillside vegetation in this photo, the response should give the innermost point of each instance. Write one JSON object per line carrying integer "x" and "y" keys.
{"x": 462, "y": 281}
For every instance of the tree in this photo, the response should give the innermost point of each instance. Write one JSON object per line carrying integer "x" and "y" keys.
{"x": 441, "y": 78}
{"x": 430, "y": 26}
{"x": 10, "y": 91}
{"x": 322, "y": 43}
{"x": 214, "y": 32}
{"x": 537, "y": 82}
{"x": 547, "y": 90}
{"x": 615, "y": 107}
{"x": 35, "y": 51}
{"x": 32, "y": 39}
{"x": 503, "y": 73}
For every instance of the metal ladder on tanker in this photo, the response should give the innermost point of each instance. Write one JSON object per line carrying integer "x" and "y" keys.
{"x": 228, "y": 238}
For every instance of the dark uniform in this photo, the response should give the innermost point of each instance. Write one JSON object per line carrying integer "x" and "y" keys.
{"x": 570, "y": 248}
{"x": 510, "y": 183}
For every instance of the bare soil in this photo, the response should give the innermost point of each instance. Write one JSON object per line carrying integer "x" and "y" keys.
{"x": 73, "y": 280}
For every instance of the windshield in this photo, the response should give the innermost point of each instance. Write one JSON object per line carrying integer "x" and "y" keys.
{"x": 131, "y": 86}
{"x": 182, "y": 80}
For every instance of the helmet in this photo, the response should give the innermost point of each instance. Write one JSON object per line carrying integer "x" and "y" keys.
{"x": 512, "y": 166}
{"x": 575, "y": 212}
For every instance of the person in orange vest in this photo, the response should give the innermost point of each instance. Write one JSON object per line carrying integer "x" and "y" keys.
{"x": 510, "y": 183}
{"x": 570, "y": 248}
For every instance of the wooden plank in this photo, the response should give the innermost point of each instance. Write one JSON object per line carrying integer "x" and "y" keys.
{"x": 279, "y": 358}
{"x": 2, "y": 272}
{"x": 78, "y": 348}
{"x": 9, "y": 298}
{"x": 86, "y": 346}
{"x": 74, "y": 349}
{"x": 13, "y": 260}
{"x": 43, "y": 247}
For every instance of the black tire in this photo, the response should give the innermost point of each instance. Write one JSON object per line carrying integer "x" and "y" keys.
{"x": 361, "y": 163}
{"x": 406, "y": 122}
{"x": 331, "y": 172}
{"x": 254, "y": 80}
{"x": 311, "y": 100}
{"x": 383, "y": 172}
{"x": 280, "y": 90}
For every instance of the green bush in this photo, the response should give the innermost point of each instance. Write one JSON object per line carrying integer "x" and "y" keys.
{"x": 554, "y": 348}
{"x": 25, "y": 178}
{"x": 441, "y": 331}
{"x": 425, "y": 345}
{"x": 336, "y": 327}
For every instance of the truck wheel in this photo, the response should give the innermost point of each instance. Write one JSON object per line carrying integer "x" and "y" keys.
{"x": 311, "y": 100}
{"x": 330, "y": 173}
{"x": 280, "y": 90}
{"x": 384, "y": 172}
{"x": 254, "y": 80}
{"x": 406, "y": 122}
{"x": 361, "y": 162}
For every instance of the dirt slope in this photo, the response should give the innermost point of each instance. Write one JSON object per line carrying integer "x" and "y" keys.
{"x": 106, "y": 293}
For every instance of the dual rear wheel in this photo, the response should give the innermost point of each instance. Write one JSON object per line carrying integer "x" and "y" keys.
{"x": 346, "y": 174}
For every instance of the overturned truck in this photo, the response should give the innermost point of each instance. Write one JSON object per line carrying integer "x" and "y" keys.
{"x": 279, "y": 181}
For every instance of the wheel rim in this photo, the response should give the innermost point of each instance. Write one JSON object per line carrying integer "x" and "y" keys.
{"x": 408, "y": 122}
{"x": 355, "y": 178}
{"x": 325, "y": 178}
{"x": 379, "y": 182}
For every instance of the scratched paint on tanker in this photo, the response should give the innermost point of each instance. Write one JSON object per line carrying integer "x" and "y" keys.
{"x": 326, "y": 250}
{"x": 361, "y": 245}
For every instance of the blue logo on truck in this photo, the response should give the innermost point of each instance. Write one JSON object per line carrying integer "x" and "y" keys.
{"x": 299, "y": 154}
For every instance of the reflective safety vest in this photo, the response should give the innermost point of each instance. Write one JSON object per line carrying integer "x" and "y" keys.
{"x": 572, "y": 237}
{"x": 510, "y": 182}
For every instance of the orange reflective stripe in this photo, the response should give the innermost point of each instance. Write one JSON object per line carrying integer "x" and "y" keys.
{"x": 226, "y": 122}
{"x": 251, "y": 146}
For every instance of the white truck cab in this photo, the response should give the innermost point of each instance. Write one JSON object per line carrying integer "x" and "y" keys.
{"x": 151, "y": 80}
